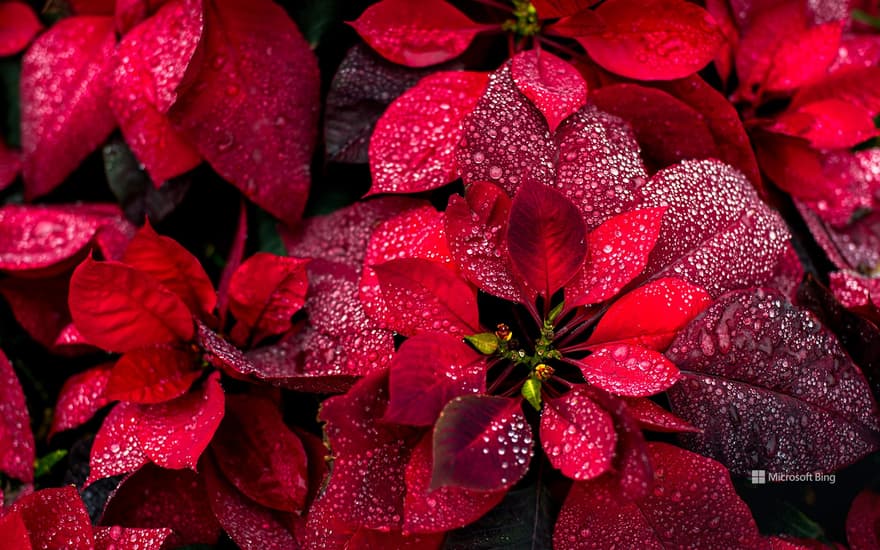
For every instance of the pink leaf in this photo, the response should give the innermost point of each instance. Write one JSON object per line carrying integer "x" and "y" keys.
{"x": 175, "y": 433}
{"x": 546, "y": 238}
{"x": 413, "y": 146}
{"x": 690, "y": 491}
{"x": 55, "y": 518}
{"x": 18, "y": 26}
{"x": 653, "y": 40}
{"x": 625, "y": 369}
{"x": 16, "y": 440}
{"x": 617, "y": 252}
{"x": 578, "y": 435}
{"x": 427, "y": 372}
{"x": 416, "y": 34}
{"x": 260, "y": 456}
{"x": 152, "y": 374}
{"x": 264, "y": 293}
{"x": 80, "y": 398}
{"x": 152, "y": 60}
{"x": 481, "y": 443}
{"x": 119, "y": 308}
{"x": 65, "y": 92}
{"x": 744, "y": 368}
{"x": 551, "y": 84}
{"x": 174, "y": 267}
{"x": 651, "y": 315}
{"x": 253, "y": 116}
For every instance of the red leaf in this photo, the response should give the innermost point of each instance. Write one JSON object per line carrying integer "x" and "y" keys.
{"x": 221, "y": 354}
{"x": 443, "y": 509}
{"x": 476, "y": 230}
{"x": 653, "y": 417}
{"x": 617, "y": 252}
{"x": 481, "y": 443}
{"x": 92, "y": 7}
{"x": 651, "y": 315}
{"x": 65, "y": 91}
{"x": 175, "y": 433}
{"x": 827, "y": 124}
{"x": 40, "y": 307}
{"x": 654, "y": 39}
{"x": 152, "y": 60}
{"x": 260, "y": 456}
{"x": 427, "y": 372}
{"x": 863, "y": 521}
{"x": 857, "y": 293}
{"x": 174, "y": 267}
{"x": 253, "y": 116}
{"x": 55, "y": 518}
{"x": 425, "y": 296}
{"x": 551, "y": 9}
{"x": 233, "y": 262}
{"x": 546, "y": 238}
{"x": 251, "y": 526}
{"x": 367, "y": 454}
{"x": 858, "y": 87}
{"x": 264, "y": 293}
{"x": 694, "y": 505}
{"x": 551, "y": 84}
{"x": 158, "y": 498}
{"x": 416, "y": 34}
{"x": 18, "y": 26}
{"x": 119, "y": 538}
{"x": 119, "y": 308}
{"x": 152, "y": 374}
{"x": 413, "y": 146}
{"x": 16, "y": 440}
{"x": 753, "y": 383}
{"x": 15, "y": 531}
{"x": 626, "y": 369}
{"x": 80, "y": 398}
{"x": 716, "y": 232}
{"x": 578, "y": 435}
{"x": 116, "y": 449}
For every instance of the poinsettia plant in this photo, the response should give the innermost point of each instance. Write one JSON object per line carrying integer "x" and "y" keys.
{"x": 556, "y": 274}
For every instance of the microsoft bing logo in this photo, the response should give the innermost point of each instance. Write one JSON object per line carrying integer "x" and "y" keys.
{"x": 759, "y": 477}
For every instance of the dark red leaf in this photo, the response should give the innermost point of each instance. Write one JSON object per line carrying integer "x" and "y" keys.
{"x": 365, "y": 488}
{"x": 632, "y": 473}
{"x": 119, "y": 308}
{"x": 827, "y": 124}
{"x": 716, "y": 232}
{"x": 476, "y": 231}
{"x": 264, "y": 293}
{"x": 771, "y": 388}
{"x": 173, "y": 266}
{"x": 425, "y": 296}
{"x": 251, "y": 526}
{"x": 551, "y": 9}
{"x": 578, "y": 435}
{"x": 693, "y": 505}
{"x": 554, "y": 86}
{"x": 175, "y": 433}
{"x": 223, "y": 355}
{"x": 253, "y": 115}
{"x": 92, "y": 7}
{"x": 546, "y": 238}
{"x": 626, "y": 369}
{"x": 16, "y": 440}
{"x": 863, "y": 521}
{"x": 653, "y": 417}
{"x": 654, "y": 39}
{"x": 125, "y": 538}
{"x": 18, "y": 26}
{"x": 428, "y": 371}
{"x": 155, "y": 498}
{"x": 65, "y": 92}
{"x": 260, "y": 456}
{"x": 152, "y": 60}
{"x": 40, "y": 307}
{"x": 443, "y": 509}
{"x": 80, "y": 398}
{"x": 857, "y": 293}
{"x": 651, "y": 315}
{"x": 55, "y": 518}
{"x": 617, "y": 251}
{"x": 116, "y": 449}
{"x": 152, "y": 374}
{"x": 481, "y": 443}
{"x": 413, "y": 146}
{"x": 416, "y": 34}
{"x": 10, "y": 161}
{"x": 233, "y": 261}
